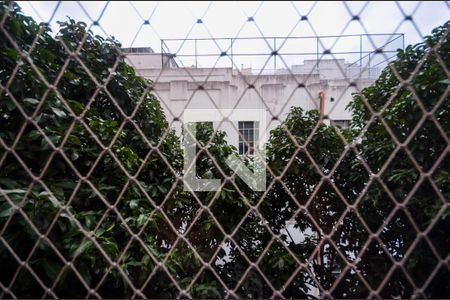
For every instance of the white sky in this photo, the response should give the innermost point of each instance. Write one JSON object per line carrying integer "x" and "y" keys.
{"x": 124, "y": 20}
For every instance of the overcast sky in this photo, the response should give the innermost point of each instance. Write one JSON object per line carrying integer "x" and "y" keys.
{"x": 125, "y": 21}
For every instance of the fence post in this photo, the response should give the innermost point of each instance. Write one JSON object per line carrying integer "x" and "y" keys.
{"x": 231, "y": 53}
{"x": 196, "y": 65}
{"x": 403, "y": 41}
{"x": 317, "y": 54}
{"x": 360, "y": 50}
{"x": 275, "y": 57}
{"x": 162, "y": 54}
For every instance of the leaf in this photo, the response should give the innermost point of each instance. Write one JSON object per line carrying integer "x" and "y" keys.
{"x": 153, "y": 192}
{"x": 6, "y": 210}
{"x": 33, "y": 135}
{"x": 84, "y": 247}
{"x": 31, "y": 101}
{"x": 100, "y": 232}
{"x": 110, "y": 246}
{"x": 141, "y": 220}
{"x": 162, "y": 188}
{"x": 60, "y": 113}
{"x": 89, "y": 219}
{"x": 134, "y": 263}
{"x": 10, "y": 104}
{"x": 74, "y": 156}
{"x": 207, "y": 225}
{"x": 51, "y": 197}
{"x": 53, "y": 138}
{"x": 110, "y": 227}
{"x": 134, "y": 203}
{"x": 14, "y": 191}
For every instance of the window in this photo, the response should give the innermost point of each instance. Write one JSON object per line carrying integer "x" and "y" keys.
{"x": 248, "y": 133}
{"x": 342, "y": 123}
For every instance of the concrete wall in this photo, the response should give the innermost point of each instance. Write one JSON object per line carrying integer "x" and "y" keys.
{"x": 225, "y": 88}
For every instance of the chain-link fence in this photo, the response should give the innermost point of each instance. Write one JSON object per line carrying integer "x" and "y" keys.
{"x": 240, "y": 167}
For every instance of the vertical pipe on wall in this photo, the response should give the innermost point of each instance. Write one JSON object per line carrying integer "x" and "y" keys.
{"x": 322, "y": 103}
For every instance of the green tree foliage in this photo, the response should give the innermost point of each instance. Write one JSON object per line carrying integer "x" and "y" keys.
{"x": 412, "y": 96}
{"x": 65, "y": 191}
{"x": 47, "y": 91}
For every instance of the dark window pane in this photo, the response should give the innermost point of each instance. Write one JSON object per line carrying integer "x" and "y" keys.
{"x": 248, "y": 133}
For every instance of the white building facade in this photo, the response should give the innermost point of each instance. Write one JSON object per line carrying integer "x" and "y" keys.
{"x": 325, "y": 85}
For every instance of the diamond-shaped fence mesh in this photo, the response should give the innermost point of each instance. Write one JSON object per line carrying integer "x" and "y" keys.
{"x": 244, "y": 164}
